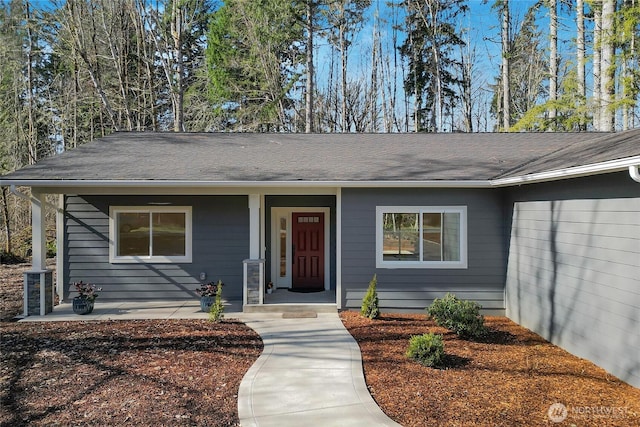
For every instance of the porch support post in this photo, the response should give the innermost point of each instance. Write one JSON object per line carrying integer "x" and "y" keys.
{"x": 60, "y": 248}
{"x": 38, "y": 283}
{"x": 38, "y": 236}
{"x": 254, "y": 226}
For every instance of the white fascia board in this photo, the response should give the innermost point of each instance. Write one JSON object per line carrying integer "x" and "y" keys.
{"x": 572, "y": 172}
{"x": 62, "y": 184}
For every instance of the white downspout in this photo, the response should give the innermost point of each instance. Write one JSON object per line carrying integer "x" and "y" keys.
{"x": 634, "y": 172}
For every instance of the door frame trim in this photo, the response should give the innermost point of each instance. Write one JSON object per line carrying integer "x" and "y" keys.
{"x": 276, "y": 213}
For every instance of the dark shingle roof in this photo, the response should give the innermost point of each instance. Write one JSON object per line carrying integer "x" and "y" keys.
{"x": 220, "y": 157}
{"x": 605, "y": 148}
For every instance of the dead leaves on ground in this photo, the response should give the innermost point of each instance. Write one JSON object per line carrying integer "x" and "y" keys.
{"x": 149, "y": 372}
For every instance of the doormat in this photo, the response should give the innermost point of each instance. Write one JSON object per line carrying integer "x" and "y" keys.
{"x": 305, "y": 290}
{"x": 299, "y": 315}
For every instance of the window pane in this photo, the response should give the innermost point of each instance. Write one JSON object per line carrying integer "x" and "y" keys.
{"x": 169, "y": 231}
{"x": 400, "y": 237}
{"x": 451, "y": 237}
{"x": 133, "y": 234}
{"x": 432, "y": 237}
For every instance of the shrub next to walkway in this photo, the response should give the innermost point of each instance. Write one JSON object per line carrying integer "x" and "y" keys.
{"x": 427, "y": 349}
{"x": 370, "y": 307}
{"x": 460, "y": 316}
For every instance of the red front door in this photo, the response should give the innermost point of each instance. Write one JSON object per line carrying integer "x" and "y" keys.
{"x": 308, "y": 250}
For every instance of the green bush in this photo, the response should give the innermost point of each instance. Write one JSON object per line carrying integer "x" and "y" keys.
{"x": 427, "y": 349}
{"x": 216, "y": 312}
{"x": 460, "y": 316}
{"x": 11, "y": 258}
{"x": 370, "y": 307}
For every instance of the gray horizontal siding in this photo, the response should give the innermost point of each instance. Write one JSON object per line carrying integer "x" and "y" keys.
{"x": 574, "y": 268}
{"x": 411, "y": 300}
{"x": 220, "y": 244}
{"x": 412, "y": 290}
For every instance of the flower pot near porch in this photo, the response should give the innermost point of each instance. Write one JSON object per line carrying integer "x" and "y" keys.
{"x": 82, "y": 306}
{"x": 206, "y": 303}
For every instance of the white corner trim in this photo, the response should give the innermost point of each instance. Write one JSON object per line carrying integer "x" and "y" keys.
{"x": 634, "y": 172}
{"x": 573, "y": 172}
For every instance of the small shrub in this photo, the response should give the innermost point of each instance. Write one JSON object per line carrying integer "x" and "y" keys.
{"x": 51, "y": 248}
{"x": 460, "y": 316}
{"x": 11, "y": 258}
{"x": 427, "y": 349}
{"x": 370, "y": 307}
{"x": 216, "y": 312}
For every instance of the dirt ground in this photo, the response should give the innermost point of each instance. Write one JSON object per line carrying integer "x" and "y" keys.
{"x": 513, "y": 377}
{"x": 11, "y": 289}
{"x": 108, "y": 373}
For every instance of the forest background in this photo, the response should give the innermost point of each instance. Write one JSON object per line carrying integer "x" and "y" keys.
{"x": 75, "y": 70}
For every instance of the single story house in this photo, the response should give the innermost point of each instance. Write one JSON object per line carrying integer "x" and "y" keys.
{"x": 542, "y": 227}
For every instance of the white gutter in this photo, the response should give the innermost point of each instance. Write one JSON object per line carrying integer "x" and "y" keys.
{"x": 572, "y": 172}
{"x": 634, "y": 172}
{"x": 52, "y": 183}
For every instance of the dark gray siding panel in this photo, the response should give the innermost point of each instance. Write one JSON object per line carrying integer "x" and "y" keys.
{"x": 414, "y": 289}
{"x": 220, "y": 244}
{"x": 574, "y": 268}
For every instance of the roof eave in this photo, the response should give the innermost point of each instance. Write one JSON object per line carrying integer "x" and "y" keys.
{"x": 82, "y": 183}
{"x": 572, "y": 172}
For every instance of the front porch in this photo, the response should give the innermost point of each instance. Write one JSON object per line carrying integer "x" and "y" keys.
{"x": 281, "y": 301}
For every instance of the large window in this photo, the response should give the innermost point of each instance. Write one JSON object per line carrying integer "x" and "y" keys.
{"x": 150, "y": 234}
{"x": 421, "y": 237}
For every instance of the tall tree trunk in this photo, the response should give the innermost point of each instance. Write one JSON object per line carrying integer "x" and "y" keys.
{"x": 439, "y": 101}
{"x": 581, "y": 54}
{"x": 178, "y": 91}
{"x": 553, "y": 59}
{"x": 31, "y": 136}
{"x": 466, "y": 65}
{"x": 597, "y": 63}
{"x": 506, "y": 94}
{"x": 344, "y": 122}
{"x": 6, "y": 218}
{"x": 308, "y": 115}
{"x": 607, "y": 68}
{"x": 373, "y": 100}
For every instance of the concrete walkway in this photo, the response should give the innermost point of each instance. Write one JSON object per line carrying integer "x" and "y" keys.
{"x": 310, "y": 373}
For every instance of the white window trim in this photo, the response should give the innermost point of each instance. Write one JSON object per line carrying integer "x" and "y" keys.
{"x": 113, "y": 241}
{"x": 381, "y": 263}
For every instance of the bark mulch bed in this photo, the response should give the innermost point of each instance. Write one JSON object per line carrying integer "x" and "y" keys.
{"x": 511, "y": 377}
{"x": 147, "y": 372}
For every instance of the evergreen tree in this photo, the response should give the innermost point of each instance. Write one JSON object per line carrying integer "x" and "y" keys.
{"x": 430, "y": 49}
{"x": 253, "y": 58}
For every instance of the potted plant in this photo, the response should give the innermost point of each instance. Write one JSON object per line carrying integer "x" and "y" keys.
{"x": 270, "y": 287}
{"x": 87, "y": 294}
{"x": 207, "y": 294}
